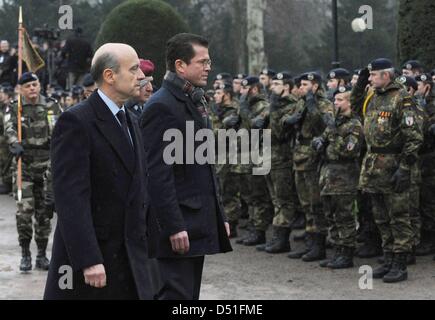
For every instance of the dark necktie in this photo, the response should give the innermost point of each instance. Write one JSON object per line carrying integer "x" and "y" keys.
{"x": 123, "y": 120}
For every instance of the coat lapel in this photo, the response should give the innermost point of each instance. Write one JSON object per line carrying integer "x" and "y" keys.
{"x": 113, "y": 133}
{"x": 191, "y": 108}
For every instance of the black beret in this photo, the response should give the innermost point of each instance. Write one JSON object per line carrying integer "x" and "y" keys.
{"x": 88, "y": 80}
{"x": 77, "y": 90}
{"x": 268, "y": 72}
{"x": 357, "y": 72}
{"x": 342, "y": 89}
{"x": 311, "y": 76}
{"x": 338, "y": 73}
{"x": 283, "y": 76}
{"x": 27, "y": 77}
{"x": 412, "y": 64}
{"x": 249, "y": 81}
{"x": 224, "y": 76}
{"x": 408, "y": 82}
{"x": 226, "y": 86}
{"x": 424, "y": 78}
{"x": 380, "y": 64}
{"x": 240, "y": 76}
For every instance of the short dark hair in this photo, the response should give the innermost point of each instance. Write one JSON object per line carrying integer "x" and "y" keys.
{"x": 181, "y": 47}
{"x": 107, "y": 60}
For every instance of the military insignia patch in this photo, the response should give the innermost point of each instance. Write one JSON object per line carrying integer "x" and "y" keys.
{"x": 409, "y": 121}
{"x": 332, "y": 75}
{"x": 370, "y": 67}
{"x": 240, "y": 76}
{"x": 401, "y": 80}
{"x": 310, "y": 77}
{"x": 222, "y": 87}
{"x": 342, "y": 89}
{"x": 409, "y": 66}
{"x": 245, "y": 83}
{"x": 423, "y": 77}
{"x": 265, "y": 72}
{"x": 280, "y": 76}
{"x": 219, "y": 77}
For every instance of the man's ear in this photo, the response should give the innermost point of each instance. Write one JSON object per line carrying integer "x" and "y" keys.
{"x": 108, "y": 76}
{"x": 180, "y": 66}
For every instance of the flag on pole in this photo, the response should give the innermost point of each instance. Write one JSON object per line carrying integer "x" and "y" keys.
{"x": 31, "y": 56}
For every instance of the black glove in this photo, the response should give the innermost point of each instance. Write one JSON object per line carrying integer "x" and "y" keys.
{"x": 363, "y": 78}
{"x": 310, "y": 101}
{"x": 318, "y": 144}
{"x": 293, "y": 120}
{"x": 401, "y": 180}
{"x": 231, "y": 121}
{"x": 16, "y": 149}
{"x": 432, "y": 129}
{"x": 258, "y": 123}
{"x": 274, "y": 102}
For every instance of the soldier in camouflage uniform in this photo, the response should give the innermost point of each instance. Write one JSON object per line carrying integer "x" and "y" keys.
{"x": 282, "y": 102}
{"x": 254, "y": 110}
{"x": 340, "y": 146}
{"x": 6, "y": 96}
{"x": 393, "y": 129}
{"x": 266, "y": 80}
{"x": 228, "y": 118}
{"x": 426, "y": 96}
{"x": 307, "y": 122}
{"x": 38, "y": 119}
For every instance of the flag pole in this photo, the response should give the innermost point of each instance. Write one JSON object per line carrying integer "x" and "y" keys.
{"x": 19, "y": 131}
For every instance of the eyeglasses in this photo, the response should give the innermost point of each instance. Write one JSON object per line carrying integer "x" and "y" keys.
{"x": 205, "y": 62}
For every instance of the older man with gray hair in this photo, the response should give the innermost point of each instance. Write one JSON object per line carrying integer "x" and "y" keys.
{"x": 99, "y": 181}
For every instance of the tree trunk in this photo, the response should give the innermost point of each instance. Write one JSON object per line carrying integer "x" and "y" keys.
{"x": 255, "y": 36}
{"x": 239, "y": 26}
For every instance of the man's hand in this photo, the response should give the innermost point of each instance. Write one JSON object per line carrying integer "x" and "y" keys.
{"x": 318, "y": 144}
{"x": 227, "y": 228}
{"x": 16, "y": 149}
{"x": 258, "y": 122}
{"x": 95, "y": 276}
{"x": 293, "y": 120}
{"x": 180, "y": 242}
{"x": 401, "y": 181}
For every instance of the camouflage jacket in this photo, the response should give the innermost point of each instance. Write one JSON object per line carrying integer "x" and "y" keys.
{"x": 223, "y": 113}
{"x": 37, "y": 125}
{"x": 312, "y": 125}
{"x": 281, "y": 138}
{"x": 393, "y": 130}
{"x": 340, "y": 169}
{"x": 250, "y": 109}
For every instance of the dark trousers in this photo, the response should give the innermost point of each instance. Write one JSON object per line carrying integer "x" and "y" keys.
{"x": 181, "y": 278}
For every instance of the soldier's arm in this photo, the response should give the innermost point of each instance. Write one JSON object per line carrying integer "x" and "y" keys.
{"x": 10, "y": 123}
{"x": 411, "y": 130}
{"x": 351, "y": 144}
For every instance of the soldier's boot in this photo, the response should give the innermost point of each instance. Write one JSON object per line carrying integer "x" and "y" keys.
{"x": 42, "y": 261}
{"x": 299, "y": 253}
{"x": 245, "y": 236}
{"x": 344, "y": 260}
{"x": 411, "y": 258}
{"x": 26, "y": 258}
{"x": 398, "y": 271}
{"x": 300, "y": 237}
{"x": 281, "y": 243}
{"x": 371, "y": 248}
{"x": 324, "y": 263}
{"x": 382, "y": 270}
{"x": 318, "y": 250}
{"x": 233, "y": 229}
{"x": 299, "y": 223}
{"x": 255, "y": 238}
{"x": 427, "y": 244}
{"x": 5, "y": 189}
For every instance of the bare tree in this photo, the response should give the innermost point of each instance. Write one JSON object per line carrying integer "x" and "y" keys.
{"x": 255, "y": 35}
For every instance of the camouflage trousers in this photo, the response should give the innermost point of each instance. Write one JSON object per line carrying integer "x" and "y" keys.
{"x": 231, "y": 194}
{"x": 283, "y": 200}
{"x": 414, "y": 213}
{"x": 427, "y": 196}
{"x": 32, "y": 205}
{"x": 261, "y": 199}
{"x": 393, "y": 218}
{"x": 307, "y": 187}
{"x": 5, "y": 164}
{"x": 341, "y": 221}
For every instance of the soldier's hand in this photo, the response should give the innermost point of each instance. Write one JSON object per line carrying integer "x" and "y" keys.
{"x": 95, "y": 276}
{"x": 16, "y": 149}
{"x": 318, "y": 144}
{"x": 432, "y": 129}
{"x": 231, "y": 121}
{"x": 258, "y": 122}
{"x": 401, "y": 180}
{"x": 180, "y": 242}
{"x": 293, "y": 120}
